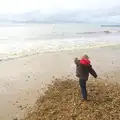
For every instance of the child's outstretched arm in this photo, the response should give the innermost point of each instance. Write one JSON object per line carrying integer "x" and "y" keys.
{"x": 92, "y": 72}
{"x": 76, "y": 61}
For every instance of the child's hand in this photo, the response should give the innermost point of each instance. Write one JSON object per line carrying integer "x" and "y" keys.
{"x": 76, "y": 59}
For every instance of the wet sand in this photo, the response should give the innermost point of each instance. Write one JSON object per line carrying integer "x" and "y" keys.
{"x": 22, "y": 80}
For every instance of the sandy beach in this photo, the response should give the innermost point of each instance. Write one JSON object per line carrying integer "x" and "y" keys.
{"x": 22, "y": 80}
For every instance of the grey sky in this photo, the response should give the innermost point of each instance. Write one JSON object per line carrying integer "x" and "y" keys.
{"x": 86, "y": 10}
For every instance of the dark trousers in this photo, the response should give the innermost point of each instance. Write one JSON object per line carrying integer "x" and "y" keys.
{"x": 82, "y": 83}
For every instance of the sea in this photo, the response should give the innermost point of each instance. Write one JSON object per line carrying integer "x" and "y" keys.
{"x": 19, "y": 40}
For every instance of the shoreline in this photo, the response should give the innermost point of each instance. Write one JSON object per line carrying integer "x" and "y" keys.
{"x": 23, "y": 80}
{"x": 112, "y": 46}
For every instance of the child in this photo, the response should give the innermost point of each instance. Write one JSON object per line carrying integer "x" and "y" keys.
{"x": 83, "y": 68}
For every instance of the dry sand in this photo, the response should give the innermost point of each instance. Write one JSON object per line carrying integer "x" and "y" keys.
{"x": 22, "y": 80}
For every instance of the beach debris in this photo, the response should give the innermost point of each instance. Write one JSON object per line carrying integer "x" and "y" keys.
{"x": 62, "y": 101}
{"x": 10, "y": 101}
{"x": 15, "y": 118}
{"x": 27, "y": 93}
{"x": 25, "y": 106}
{"x": 28, "y": 76}
{"x": 21, "y": 90}
{"x": 21, "y": 107}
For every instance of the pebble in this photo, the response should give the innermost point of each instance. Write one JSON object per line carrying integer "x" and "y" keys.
{"x": 27, "y": 93}
{"x": 25, "y": 106}
{"x": 20, "y": 106}
{"x": 28, "y": 76}
{"x": 9, "y": 101}
{"x": 15, "y": 119}
{"x": 105, "y": 84}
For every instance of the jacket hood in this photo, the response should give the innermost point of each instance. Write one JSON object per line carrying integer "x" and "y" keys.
{"x": 85, "y": 61}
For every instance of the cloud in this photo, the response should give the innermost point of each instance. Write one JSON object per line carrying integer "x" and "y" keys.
{"x": 61, "y": 10}
{"x": 106, "y": 15}
{"x": 18, "y": 6}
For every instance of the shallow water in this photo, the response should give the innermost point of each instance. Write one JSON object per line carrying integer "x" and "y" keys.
{"x": 18, "y": 40}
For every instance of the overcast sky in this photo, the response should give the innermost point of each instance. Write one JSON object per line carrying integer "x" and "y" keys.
{"x": 99, "y": 10}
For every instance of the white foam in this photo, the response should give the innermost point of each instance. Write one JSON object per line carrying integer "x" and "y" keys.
{"x": 14, "y": 49}
{"x": 21, "y": 40}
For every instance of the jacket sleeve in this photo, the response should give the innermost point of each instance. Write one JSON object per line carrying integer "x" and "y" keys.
{"x": 76, "y": 61}
{"x": 92, "y": 72}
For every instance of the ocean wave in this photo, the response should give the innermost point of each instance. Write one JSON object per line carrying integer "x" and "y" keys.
{"x": 40, "y": 47}
{"x": 109, "y": 31}
{"x": 97, "y": 32}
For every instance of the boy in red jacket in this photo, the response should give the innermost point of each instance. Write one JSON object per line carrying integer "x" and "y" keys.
{"x": 83, "y": 68}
